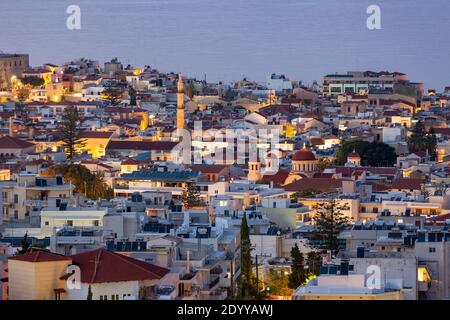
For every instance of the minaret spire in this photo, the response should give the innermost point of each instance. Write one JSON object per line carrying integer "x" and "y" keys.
{"x": 180, "y": 102}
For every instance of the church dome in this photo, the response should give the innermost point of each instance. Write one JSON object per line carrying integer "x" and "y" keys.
{"x": 353, "y": 155}
{"x": 304, "y": 155}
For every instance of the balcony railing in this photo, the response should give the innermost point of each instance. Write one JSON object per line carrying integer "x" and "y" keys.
{"x": 213, "y": 283}
{"x": 35, "y": 203}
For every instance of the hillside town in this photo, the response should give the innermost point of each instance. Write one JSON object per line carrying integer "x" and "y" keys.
{"x": 122, "y": 182}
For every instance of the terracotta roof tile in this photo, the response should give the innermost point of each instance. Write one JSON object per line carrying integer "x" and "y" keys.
{"x": 8, "y": 142}
{"x": 319, "y": 184}
{"x": 101, "y": 265}
{"x": 40, "y": 256}
{"x": 141, "y": 145}
{"x": 408, "y": 184}
{"x": 96, "y": 134}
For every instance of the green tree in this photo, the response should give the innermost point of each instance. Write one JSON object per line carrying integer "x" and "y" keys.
{"x": 278, "y": 283}
{"x": 247, "y": 288}
{"x": 322, "y": 163}
{"x": 417, "y": 141}
{"x": 297, "y": 277}
{"x": 431, "y": 142}
{"x": 314, "y": 261}
{"x": 33, "y": 81}
{"x": 329, "y": 221}
{"x": 71, "y": 130}
{"x": 23, "y": 93}
{"x": 190, "y": 196}
{"x": 132, "y": 94}
{"x": 89, "y": 295}
{"x": 112, "y": 94}
{"x": 92, "y": 185}
{"x": 25, "y": 246}
{"x": 372, "y": 153}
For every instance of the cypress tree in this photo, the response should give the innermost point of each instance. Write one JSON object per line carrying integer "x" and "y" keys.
{"x": 329, "y": 221}
{"x": 297, "y": 277}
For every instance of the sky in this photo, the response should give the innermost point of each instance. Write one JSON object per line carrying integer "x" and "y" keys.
{"x": 227, "y": 40}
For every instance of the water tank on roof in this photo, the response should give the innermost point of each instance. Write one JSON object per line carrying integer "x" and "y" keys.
{"x": 360, "y": 252}
{"x": 344, "y": 268}
{"x": 136, "y": 197}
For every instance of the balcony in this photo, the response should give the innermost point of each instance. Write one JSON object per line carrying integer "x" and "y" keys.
{"x": 35, "y": 203}
{"x": 77, "y": 240}
{"x": 219, "y": 294}
{"x": 213, "y": 283}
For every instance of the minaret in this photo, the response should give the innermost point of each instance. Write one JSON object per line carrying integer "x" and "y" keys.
{"x": 180, "y": 103}
{"x": 11, "y": 123}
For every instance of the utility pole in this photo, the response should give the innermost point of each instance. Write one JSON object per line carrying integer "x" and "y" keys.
{"x": 232, "y": 278}
{"x": 257, "y": 276}
{"x": 257, "y": 269}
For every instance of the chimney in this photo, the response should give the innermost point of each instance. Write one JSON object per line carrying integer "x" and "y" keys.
{"x": 188, "y": 262}
{"x": 328, "y": 257}
{"x": 31, "y": 133}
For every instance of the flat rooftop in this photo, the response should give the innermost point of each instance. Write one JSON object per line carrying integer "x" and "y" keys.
{"x": 12, "y": 55}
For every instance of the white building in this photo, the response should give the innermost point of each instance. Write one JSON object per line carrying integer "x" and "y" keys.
{"x": 278, "y": 83}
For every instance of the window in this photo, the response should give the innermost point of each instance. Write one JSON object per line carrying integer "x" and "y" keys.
{"x": 16, "y": 198}
{"x": 70, "y": 223}
{"x": 431, "y": 249}
{"x": 46, "y": 223}
{"x": 96, "y": 223}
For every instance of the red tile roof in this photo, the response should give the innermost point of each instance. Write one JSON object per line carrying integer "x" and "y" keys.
{"x": 40, "y": 256}
{"x": 323, "y": 175}
{"x": 141, "y": 145}
{"x": 407, "y": 184}
{"x": 101, "y": 265}
{"x": 8, "y": 142}
{"x": 442, "y": 131}
{"x": 129, "y": 161}
{"x": 278, "y": 178}
{"x": 96, "y": 134}
{"x": 377, "y": 187}
{"x": 277, "y": 109}
{"x": 319, "y": 184}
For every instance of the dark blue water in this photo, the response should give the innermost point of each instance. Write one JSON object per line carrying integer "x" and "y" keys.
{"x": 227, "y": 39}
